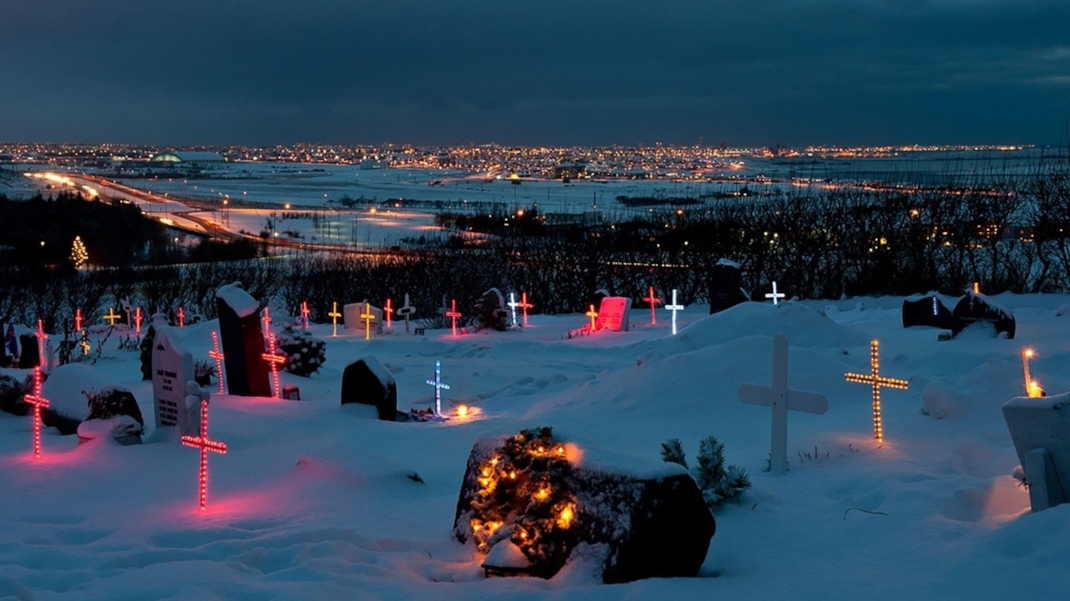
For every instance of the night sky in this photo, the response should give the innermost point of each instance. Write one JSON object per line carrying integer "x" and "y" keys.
{"x": 749, "y": 72}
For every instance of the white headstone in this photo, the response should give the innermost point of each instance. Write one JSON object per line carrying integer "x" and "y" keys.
{"x": 353, "y": 321}
{"x": 172, "y": 367}
{"x": 1040, "y": 430}
{"x": 614, "y": 314}
{"x": 781, "y": 399}
{"x": 406, "y": 311}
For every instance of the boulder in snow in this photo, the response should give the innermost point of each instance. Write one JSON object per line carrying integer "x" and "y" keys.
{"x": 367, "y": 382}
{"x": 976, "y": 308}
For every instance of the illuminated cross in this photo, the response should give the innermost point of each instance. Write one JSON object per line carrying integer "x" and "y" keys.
{"x": 593, "y": 315}
{"x": 276, "y": 360}
{"x": 304, "y": 314}
{"x": 41, "y": 338}
{"x": 513, "y": 305}
{"x": 77, "y": 320}
{"x": 525, "y": 305}
{"x": 405, "y": 311}
{"x": 218, "y": 356}
{"x": 334, "y": 315}
{"x": 137, "y": 321}
{"x": 453, "y": 314}
{"x": 205, "y": 444}
{"x": 776, "y": 296}
{"x": 874, "y": 379}
{"x": 38, "y": 401}
{"x": 439, "y": 387}
{"x": 112, "y": 316}
{"x": 674, "y": 307}
{"x": 265, "y": 321}
{"x": 387, "y": 310}
{"x": 654, "y": 302}
{"x": 367, "y": 316}
{"x": 781, "y": 399}
{"x": 84, "y": 343}
{"x": 977, "y": 287}
{"x": 181, "y": 317}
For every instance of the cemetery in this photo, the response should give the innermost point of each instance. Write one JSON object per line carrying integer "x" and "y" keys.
{"x": 456, "y": 447}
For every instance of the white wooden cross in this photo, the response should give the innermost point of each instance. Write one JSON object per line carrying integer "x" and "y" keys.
{"x": 775, "y": 295}
{"x": 781, "y": 399}
{"x": 674, "y": 307}
{"x": 405, "y": 311}
{"x": 439, "y": 387}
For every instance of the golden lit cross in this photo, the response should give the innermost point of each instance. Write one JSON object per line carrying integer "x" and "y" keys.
{"x": 367, "y": 316}
{"x": 112, "y": 316}
{"x": 593, "y": 315}
{"x": 876, "y": 381}
{"x": 334, "y": 315}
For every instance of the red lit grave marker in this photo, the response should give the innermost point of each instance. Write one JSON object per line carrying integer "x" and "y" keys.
{"x": 276, "y": 360}
{"x": 218, "y": 356}
{"x": 203, "y": 443}
{"x": 654, "y": 302}
{"x": 453, "y": 314}
{"x": 38, "y": 401}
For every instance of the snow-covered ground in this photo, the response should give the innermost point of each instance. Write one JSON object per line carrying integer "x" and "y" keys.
{"x": 313, "y": 500}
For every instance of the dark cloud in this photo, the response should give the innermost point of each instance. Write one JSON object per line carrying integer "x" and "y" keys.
{"x": 598, "y": 71}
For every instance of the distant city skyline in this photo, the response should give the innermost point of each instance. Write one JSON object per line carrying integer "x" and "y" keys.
{"x": 821, "y": 72}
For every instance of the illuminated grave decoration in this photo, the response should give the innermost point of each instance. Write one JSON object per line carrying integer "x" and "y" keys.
{"x": 724, "y": 286}
{"x": 594, "y": 318}
{"x": 304, "y": 315}
{"x": 334, "y": 315}
{"x": 1038, "y": 428}
{"x": 776, "y": 296}
{"x": 453, "y": 314}
{"x": 112, "y": 316}
{"x": 614, "y": 314}
{"x": 77, "y": 320}
{"x": 137, "y": 322}
{"x": 265, "y": 321}
{"x": 490, "y": 311}
{"x": 367, "y": 316}
{"x": 84, "y": 342}
{"x": 512, "y": 306}
{"x": 406, "y": 310}
{"x": 978, "y": 313}
{"x": 523, "y": 305}
{"x": 439, "y": 387}
{"x": 782, "y": 399}
{"x": 38, "y": 401}
{"x": 367, "y": 382}
{"x": 181, "y": 317}
{"x": 875, "y": 380}
{"x": 654, "y": 302}
{"x": 674, "y": 307}
{"x": 172, "y": 368}
{"x": 977, "y": 287}
{"x": 275, "y": 360}
{"x": 530, "y": 493}
{"x": 388, "y": 310}
{"x": 218, "y": 356}
{"x": 1032, "y": 387}
{"x": 243, "y": 342}
{"x": 113, "y": 412}
{"x": 42, "y": 338}
{"x": 928, "y": 310}
{"x": 205, "y": 445}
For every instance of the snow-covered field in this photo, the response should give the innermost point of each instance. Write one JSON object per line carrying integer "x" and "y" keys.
{"x": 313, "y": 500}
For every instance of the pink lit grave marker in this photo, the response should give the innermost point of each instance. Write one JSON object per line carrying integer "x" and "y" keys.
{"x": 654, "y": 302}
{"x": 304, "y": 315}
{"x": 439, "y": 387}
{"x": 42, "y": 338}
{"x": 275, "y": 360}
{"x": 387, "y": 310}
{"x": 453, "y": 314}
{"x": 181, "y": 317}
{"x": 216, "y": 354}
{"x": 205, "y": 444}
{"x": 77, "y": 320}
{"x": 38, "y": 401}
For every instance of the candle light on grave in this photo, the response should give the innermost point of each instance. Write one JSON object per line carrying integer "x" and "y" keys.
{"x": 1032, "y": 387}
{"x": 876, "y": 381}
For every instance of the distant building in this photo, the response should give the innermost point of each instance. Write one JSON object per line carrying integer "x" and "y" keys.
{"x": 569, "y": 170}
{"x": 183, "y": 160}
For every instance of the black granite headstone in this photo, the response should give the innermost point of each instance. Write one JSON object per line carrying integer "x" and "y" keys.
{"x": 490, "y": 310}
{"x": 927, "y": 311}
{"x": 724, "y": 286}
{"x": 367, "y": 382}
{"x": 977, "y": 308}
{"x": 30, "y": 356}
{"x": 243, "y": 343}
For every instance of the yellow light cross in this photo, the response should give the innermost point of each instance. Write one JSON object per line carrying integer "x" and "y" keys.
{"x": 876, "y": 381}
{"x": 334, "y": 315}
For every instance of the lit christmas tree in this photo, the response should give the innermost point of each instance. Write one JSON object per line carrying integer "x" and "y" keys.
{"x": 79, "y": 256}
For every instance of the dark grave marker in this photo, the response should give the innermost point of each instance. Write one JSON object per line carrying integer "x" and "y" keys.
{"x": 243, "y": 342}
{"x": 927, "y": 311}
{"x": 976, "y": 308}
{"x": 724, "y": 286}
{"x": 368, "y": 382}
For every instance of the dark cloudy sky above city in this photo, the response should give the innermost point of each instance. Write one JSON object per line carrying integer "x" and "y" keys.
{"x": 749, "y": 72}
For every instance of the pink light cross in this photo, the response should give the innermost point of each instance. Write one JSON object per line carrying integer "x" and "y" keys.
{"x": 453, "y": 314}
{"x": 275, "y": 360}
{"x": 205, "y": 444}
{"x": 38, "y": 401}
{"x": 216, "y": 354}
{"x": 654, "y": 302}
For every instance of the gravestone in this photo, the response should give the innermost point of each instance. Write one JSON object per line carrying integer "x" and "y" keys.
{"x": 976, "y": 308}
{"x": 243, "y": 342}
{"x": 1040, "y": 430}
{"x": 724, "y": 286}
{"x": 598, "y": 296}
{"x": 651, "y": 517}
{"x": 30, "y": 357}
{"x": 353, "y": 321}
{"x": 490, "y": 310}
{"x": 172, "y": 368}
{"x": 614, "y": 314}
{"x": 927, "y": 311}
{"x": 368, "y": 382}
